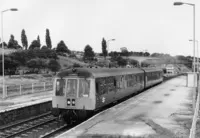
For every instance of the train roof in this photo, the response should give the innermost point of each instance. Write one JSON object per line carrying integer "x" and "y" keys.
{"x": 99, "y": 72}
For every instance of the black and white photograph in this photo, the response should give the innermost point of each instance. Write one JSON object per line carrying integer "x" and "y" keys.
{"x": 99, "y": 69}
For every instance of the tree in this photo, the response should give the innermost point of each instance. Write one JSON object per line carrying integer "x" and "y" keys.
{"x": 53, "y": 65}
{"x": 4, "y": 44}
{"x": 61, "y": 47}
{"x": 20, "y": 56}
{"x": 38, "y": 39}
{"x": 114, "y": 55}
{"x": 19, "y": 47}
{"x": 44, "y": 47}
{"x": 32, "y": 64}
{"x": 34, "y": 44}
{"x": 37, "y": 63}
{"x": 12, "y": 42}
{"x": 121, "y": 62}
{"x": 146, "y": 54}
{"x": 145, "y": 64}
{"x": 24, "y": 56}
{"x": 48, "y": 39}
{"x": 10, "y": 65}
{"x": 124, "y": 52}
{"x": 76, "y": 65}
{"x": 24, "y": 40}
{"x": 104, "y": 48}
{"x": 133, "y": 62}
{"x": 88, "y": 53}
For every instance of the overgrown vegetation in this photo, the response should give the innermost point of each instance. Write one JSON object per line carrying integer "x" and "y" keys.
{"x": 37, "y": 57}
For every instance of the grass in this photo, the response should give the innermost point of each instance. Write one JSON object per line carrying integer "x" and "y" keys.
{"x": 66, "y": 62}
{"x": 25, "y": 79}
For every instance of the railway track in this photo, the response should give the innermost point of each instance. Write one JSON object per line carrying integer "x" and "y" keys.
{"x": 55, "y": 132}
{"x": 33, "y": 127}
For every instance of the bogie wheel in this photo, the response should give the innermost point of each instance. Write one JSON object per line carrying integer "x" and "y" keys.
{"x": 67, "y": 119}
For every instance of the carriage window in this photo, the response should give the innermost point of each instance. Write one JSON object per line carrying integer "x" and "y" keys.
{"x": 141, "y": 78}
{"x": 71, "y": 87}
{"x": 84, "y": 88}
{"x": 138, "y": 78}
{"x": 115, "y": 83}
{"x": 60, "y": 85}
{"x": 134, "y": 79}
{"x": 158, "y": 75}
{"x": 121, "y": 78}
{"x": 97, "y": 87}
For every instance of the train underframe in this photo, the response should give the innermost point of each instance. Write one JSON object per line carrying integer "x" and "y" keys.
{"x": 71, "y": 115}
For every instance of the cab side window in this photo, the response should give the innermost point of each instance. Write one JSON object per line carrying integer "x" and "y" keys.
{"x": 84, "y": 88}
{"x": 60, "y": 85}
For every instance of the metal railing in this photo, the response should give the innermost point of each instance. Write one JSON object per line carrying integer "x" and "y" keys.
{"x": 196, "y": 111}
{"x": 22, "y": 89}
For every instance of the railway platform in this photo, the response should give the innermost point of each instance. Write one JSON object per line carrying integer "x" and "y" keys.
{"x": 161, "y": 111}
{"x": 12, "y": 103}
{"x": 14, "y": 109}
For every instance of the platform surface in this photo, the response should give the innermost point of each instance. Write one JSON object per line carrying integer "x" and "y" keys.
{"x": 162, "y": 111}
{"x": 12, "y": 103}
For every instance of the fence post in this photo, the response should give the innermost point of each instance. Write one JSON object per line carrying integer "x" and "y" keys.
{"x": 6, "y": 91}
{"x": 186, "y": 80}
{"x": 20, "y": 89}
{"x": 32, "y": 87}
{"x": 44, "y": 85}
{"x": 3, "y": 92}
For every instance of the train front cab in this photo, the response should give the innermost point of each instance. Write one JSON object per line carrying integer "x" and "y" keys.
{"x": 74, "y": 93}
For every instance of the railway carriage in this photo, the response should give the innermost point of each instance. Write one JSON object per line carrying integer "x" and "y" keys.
{"x": 82, "y": 90}
{"x": 117, "y": 83}
{"x": 152, "y": 76}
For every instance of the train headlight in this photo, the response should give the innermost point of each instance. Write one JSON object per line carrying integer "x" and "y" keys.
{"x": 68, "y": 101}
{"x": 73, "y": 102}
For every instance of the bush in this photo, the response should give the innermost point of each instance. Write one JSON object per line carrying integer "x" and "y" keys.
{"x": 76, "y": 65}
{"x": 53, "y": 65}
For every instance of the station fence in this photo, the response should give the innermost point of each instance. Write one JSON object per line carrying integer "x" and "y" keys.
{"x": 196, "y": 112}
{"x": 22, "y": 89}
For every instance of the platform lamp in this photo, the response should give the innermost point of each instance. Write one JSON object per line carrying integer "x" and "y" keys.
{"x": 190, "y": 4}
{"x": 197, "y": 51}
{"x": 107, "y": 42}
{"x": 12, "y": 9}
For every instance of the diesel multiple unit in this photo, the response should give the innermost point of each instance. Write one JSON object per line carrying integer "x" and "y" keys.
{"x": 80, "y": 91}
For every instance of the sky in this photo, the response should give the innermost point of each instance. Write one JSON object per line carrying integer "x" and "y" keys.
{"x": 139, "y": 25}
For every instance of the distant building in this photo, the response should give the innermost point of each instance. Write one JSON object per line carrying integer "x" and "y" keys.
{"x": 172, "y": 69}
{"x": 79, "y": 54}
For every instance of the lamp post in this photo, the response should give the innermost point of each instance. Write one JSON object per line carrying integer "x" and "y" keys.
{"x": 197, "y": 61}
{"x": 181, "y": 3}
{"x": 194, "y": 75}
{"x": 12, "y": 9}
{"x": 107, "y": 42}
